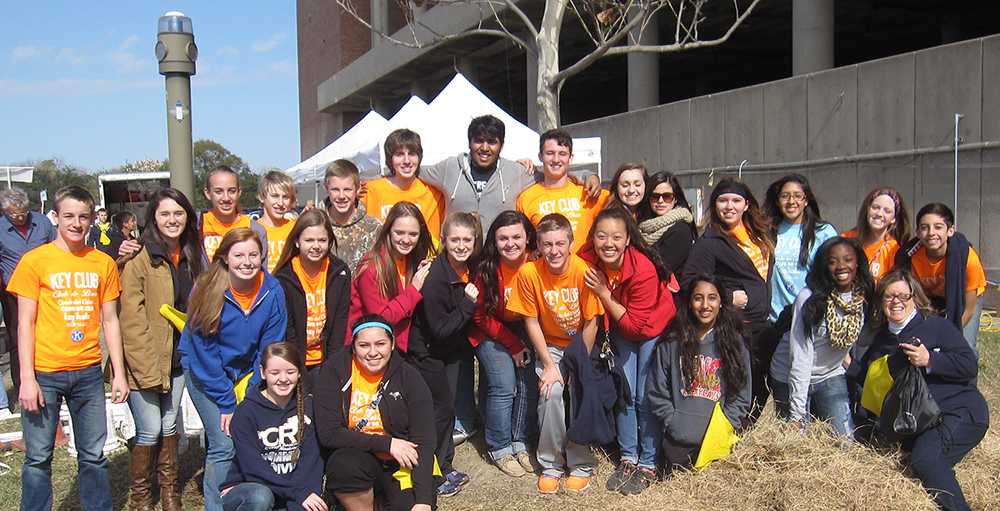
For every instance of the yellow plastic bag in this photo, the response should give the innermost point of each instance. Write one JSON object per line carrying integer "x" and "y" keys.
{"x": 406, "y": 479}
{"x": 878, "y": 381}
{"x": 240, "y": 387}
{"x": 720, "y": 437}
{"x": 174, "y": 316}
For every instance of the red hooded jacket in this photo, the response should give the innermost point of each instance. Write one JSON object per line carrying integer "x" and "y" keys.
{"x": 648, "y": 301}
{"x": 367, "y": 299}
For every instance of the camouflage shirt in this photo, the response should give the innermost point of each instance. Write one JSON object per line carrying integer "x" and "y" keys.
{"x": 355, "y": 238}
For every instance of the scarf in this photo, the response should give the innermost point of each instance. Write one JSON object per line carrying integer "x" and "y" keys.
{"x": 654, "y": 228}
{"x": 751, "y": 249}
{"x": 845, "y": 329}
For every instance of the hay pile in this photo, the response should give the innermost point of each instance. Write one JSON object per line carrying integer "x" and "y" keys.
{"x": 775, "y": 467}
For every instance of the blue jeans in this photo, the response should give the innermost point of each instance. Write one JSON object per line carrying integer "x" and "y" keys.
{"x": 638, "y": 428}
{"x": 155, "y": 413}
{"x": 83, "y": 391}
{"x": 219, "y": 452}
{"x": 462, "y": 378}
{"x": 971, "y": 329}
{"x": 828, "y": 401}
{"x": 511, "y": 400}
{"x": 249, "y": 497}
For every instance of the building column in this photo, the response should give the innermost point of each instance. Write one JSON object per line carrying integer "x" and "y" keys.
{"x": 812, "y": 35}
{"x": 531, "y": 90}
{"x": 380, "y": 20}
{"x": 644, "y": 70}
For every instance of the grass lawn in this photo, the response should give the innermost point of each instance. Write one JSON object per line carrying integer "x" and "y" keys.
{"x": 774, "y": 467}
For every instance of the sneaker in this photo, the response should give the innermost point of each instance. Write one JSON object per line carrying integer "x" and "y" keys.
{"x": 577, "y": 484}
{"x": 458, "y": 437}
{"x": 458, "y": 478}
{"x": 548, "y": 485}
{"x": 623, "y": 472}
{"x": 510, "y": 466}
{"x": 641, "y": 479}
{"x": 448, "y": 488}
{"x": 6, "y": 414}
{"x": 524, "y": 459}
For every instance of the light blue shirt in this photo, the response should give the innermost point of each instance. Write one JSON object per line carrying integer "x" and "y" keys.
{"x": 13, "y": 244}
{"x": 789, "y": 278}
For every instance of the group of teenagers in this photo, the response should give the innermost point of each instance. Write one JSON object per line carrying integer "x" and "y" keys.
{"x": 331, "y": 355}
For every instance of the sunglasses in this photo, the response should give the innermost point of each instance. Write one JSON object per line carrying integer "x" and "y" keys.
{"x": 665, "y": 197}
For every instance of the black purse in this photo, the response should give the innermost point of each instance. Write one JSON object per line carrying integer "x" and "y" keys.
{"x": 908, "y": 409}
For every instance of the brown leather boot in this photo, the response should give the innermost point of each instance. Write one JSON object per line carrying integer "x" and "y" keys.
{"x": 140, "y": 469}
{"x": 166, "y": 468}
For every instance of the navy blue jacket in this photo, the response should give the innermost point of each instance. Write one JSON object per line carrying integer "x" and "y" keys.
{"x": 952, "y": 369}
{"x": 956, "y": 258}
{"x": 593, "y": 392}
{"x": 715, "y": 253}
{"x": 264, "y": 439}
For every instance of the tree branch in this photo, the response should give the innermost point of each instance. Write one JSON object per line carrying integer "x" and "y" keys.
{"x": 532, "y": 31}
{"x": 671, "y": 48}
{"x": 598, "y": 52}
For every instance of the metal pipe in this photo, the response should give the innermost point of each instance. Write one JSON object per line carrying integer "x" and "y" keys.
{"x": 958, "y": 140}
{"x": 835, "y": 160}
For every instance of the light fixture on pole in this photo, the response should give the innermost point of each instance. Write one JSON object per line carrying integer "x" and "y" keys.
{"x": 176, "y": 54}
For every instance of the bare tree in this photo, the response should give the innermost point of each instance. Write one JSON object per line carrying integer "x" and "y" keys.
{"x": 615, "y": 27}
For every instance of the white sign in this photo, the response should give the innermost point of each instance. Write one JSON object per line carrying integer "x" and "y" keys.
{"x": 43, "y": 195}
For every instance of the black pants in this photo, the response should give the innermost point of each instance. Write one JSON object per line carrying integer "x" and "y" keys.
{"x": 351, "y": 470}
{"x": 678, "y": 456}
{"x": 10, "y": 320}
{"x": 436, "y": 377}
{"x": 935, "y": 452}
{"x": 761, "y": 339}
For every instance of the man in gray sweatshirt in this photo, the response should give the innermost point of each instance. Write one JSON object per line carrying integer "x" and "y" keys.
{"x": 483, "y": 182}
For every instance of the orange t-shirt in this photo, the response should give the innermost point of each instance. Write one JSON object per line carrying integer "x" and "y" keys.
{"x": 931, "y": 273}
{"x": 400, "y": 270}
{"x": 614, "y": 278}
{"x": 246, "y": 299}
{"x": 315, "y": 291}
{"x": 507, "y": 274}
{"x": 570, "y": 200}
{"x": 174, "y": 256}
{"x": 213, "y": 229}
{"x": 363, "y": 390}
{"x": 383, "y": 195}
{"x": 881, "y": 254}
{"x": 751, "y": 249}
{"x": 70, "y": 289}
{"x": 276, "y": 237}
{"x": 562, "y": 303}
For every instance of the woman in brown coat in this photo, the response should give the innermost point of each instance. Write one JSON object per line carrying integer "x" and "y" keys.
{"x": 162, "y": 272}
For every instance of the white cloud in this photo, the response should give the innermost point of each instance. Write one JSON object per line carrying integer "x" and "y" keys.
{"x": 26, "y": 52}
{"x": 126, "y": 62}
{"x": 266, "y": 45}
{"x": 129, "y": 42}
{"x": 69, "y": 56}
{"x": 282, "y": 67}
{"x": 227, "y": 51}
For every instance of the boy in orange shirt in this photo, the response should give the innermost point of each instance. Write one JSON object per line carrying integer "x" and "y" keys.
{"x": 403, "y": 153}
{"x": 557, "y": 193}
{"x": 276, "y": 193}
{"x": 557, "y": 306}
{"x": 222, "y": 189}
{"x": 954, "y": 287}
{"x": 66, "y": 293}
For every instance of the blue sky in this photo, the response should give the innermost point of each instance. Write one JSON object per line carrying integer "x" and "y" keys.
{"x": 78, "y": 81}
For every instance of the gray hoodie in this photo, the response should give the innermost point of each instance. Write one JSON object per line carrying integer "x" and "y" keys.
{"x": 685, "y": 411}
{"x": 454, "y": 179}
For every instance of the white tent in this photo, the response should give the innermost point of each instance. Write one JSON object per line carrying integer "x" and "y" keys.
{"x": 443, "y": 128}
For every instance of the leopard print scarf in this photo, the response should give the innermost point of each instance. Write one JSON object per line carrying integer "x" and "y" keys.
{"x": 845, "y": 329}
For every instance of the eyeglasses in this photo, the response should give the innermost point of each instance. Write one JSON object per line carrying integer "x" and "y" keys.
{"x": 903, "y": 298}
{"x": 665, "y": 197}
{"x": 797, "y": 197}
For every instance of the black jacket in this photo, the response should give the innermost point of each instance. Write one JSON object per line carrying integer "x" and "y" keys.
{"x": 264, "y": 437}
{"x": 675, "y": 245}
{"x": 441, "y": 320}
{"x": 715, "y": 253}
{"x": 953, "y": 364}
{"x": 405, "y": 410}
{"x": 595, "y": 396}
{"x": 338, "y": 293}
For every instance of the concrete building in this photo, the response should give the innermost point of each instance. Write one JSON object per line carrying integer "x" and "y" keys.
{"x": 853, "y": 93}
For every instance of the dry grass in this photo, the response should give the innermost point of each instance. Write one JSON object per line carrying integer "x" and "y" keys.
{"x": 773, "y": 468}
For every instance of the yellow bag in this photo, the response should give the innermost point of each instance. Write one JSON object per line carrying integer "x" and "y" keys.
{"x": 878, "y": 381}
{"x": 174, "y": 316}
{"x": 406, "y": 479}
{"x": 720, "y": 437}
{"x": 240, "y": 387}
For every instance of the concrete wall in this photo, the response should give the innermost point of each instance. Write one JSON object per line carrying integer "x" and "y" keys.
{"x": 902, "y": 103}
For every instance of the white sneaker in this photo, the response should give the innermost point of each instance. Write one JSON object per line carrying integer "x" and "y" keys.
{"x": 5, "y": 414}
